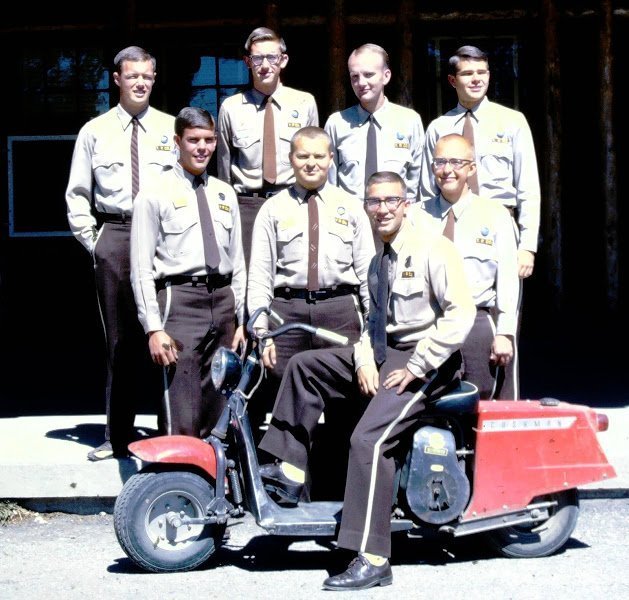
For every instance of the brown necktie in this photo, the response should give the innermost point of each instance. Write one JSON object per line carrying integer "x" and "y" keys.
{"x": 210, "y": 247}
{"x": 448, "y": 230}
{"x": 313, "y": 240}
{"x": 135, "y": 165}
{"x": 468, "y": 134}
{"x": 382, "y": 298}
{"x": 371, "y": 154}
{"x": 269, "y": 167}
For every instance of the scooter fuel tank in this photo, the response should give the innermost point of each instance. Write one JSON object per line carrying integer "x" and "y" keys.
{"x": 437, "y": 489}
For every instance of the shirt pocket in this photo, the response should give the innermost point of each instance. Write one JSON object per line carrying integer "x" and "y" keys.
{"x": 291, "y": 247}
{"x": 407, "y": 297}
{"x": 109, "y": 173}
{"x": 223, "y": 225}
{"x": 249, "y": 148}
{"x": 179, "y": 234}
{"x": 498, "y": 161}
{"x": 339, "y": 249}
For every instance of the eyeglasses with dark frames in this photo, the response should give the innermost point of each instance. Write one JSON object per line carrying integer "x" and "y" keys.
{"x": 391, "y": 202}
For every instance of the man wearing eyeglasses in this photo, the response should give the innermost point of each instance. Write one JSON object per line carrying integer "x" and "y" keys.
{"x": 257, "y": 165}
{"x": 407, "y": 357}
{"x": 375, "y": 134}
{"x": 483, "y": 232}
{"x": 506, "y": 163}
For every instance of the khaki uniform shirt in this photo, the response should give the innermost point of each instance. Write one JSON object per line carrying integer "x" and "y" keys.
{"x": 279, "y": 247}
{"x": 505, "y": 159}
{"x": 166, "y": 239}
{"x": 483, "y": 234}
{"x": 240, "y": 134}
{"x": 400, "y": 135}
{"x": 429, "y": 300}
{"x": 100, "y": 173}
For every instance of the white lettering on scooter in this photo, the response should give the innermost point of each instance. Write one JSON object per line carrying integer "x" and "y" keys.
{"x": 528, "y": 424}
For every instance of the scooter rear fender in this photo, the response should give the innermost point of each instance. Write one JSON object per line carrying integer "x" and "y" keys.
{"x": 529, "y": 448}
{"x": 176, "y": 449}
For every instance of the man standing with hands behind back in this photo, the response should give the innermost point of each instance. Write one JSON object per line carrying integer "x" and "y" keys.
{"x": 255, "y": 129}
{"x": 115, "y": 155}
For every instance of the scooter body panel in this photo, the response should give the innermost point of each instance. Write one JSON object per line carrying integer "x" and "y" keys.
{"x": 525, "y": 449}
{"x": 176, "y": 449}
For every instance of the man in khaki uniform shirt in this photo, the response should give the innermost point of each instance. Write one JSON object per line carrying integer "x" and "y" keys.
{"x": 100, "y": 203}
{"x": 241, "y": 127}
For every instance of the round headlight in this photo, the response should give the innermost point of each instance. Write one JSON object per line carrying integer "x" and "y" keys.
{"x": 225, "y": 369}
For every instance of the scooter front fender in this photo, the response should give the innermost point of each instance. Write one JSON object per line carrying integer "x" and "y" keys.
{"x": 176, "y": 449}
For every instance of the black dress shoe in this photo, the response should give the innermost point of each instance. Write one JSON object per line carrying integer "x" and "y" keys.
{"x": 360, "y": 575}
{"x": 277, "y": 483}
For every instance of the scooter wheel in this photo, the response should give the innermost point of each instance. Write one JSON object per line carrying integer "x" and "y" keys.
{"x": 543, "y": 538}
{"x": 146, "y": 516}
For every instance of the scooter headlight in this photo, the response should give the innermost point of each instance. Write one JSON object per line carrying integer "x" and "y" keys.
{"x": 225, "y": 369}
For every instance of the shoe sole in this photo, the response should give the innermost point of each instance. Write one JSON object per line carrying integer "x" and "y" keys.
{"x": 381, "y": 582}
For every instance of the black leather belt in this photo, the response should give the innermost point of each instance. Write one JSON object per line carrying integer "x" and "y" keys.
{"x": 102, "y": 217}
{"x": 211, "y": 282}
{"x": 266, "y": 192}
{"x": 314, "y": 295}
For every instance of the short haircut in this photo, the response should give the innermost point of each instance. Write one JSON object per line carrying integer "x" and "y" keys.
{"x": 373, "y": 48}
{"x": 312, "y": 133}
{"x": 193, "y": 116}
{"x": 133, "y": 54}
{"x": 466, "y": 53}
{"x": 264, "y": 34}
{"x": 386, "y": 177}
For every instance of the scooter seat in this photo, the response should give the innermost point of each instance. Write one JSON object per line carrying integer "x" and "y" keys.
{"x": 462, "y": 399}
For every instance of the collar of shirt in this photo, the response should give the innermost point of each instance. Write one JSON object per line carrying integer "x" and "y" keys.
{"x": 256, "y": 97}
{"x": 299, "y": 193}
{"x": 363, "y": 115}
{"x": 126, "y": 119}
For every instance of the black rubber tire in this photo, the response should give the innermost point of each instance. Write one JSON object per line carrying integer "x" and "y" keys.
{"x": 543, "y": 538}
{"x": 144, "y": 532}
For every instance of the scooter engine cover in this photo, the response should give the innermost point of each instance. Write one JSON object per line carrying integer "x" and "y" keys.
{"x": 437, "y": 489}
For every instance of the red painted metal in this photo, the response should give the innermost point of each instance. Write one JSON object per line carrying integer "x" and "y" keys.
{"x": 525, "y": 449}
{"x": 176, "y": 449}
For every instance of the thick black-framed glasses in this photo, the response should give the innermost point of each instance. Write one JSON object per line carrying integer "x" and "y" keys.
{"x": 258, "y": 59}
{"x": 391, "y": 202}
{"x": 455, "y": 163}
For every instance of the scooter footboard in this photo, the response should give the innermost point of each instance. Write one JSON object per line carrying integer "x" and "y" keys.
{"x": 176, "y": 449}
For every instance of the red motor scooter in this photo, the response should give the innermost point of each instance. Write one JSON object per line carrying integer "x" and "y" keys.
{"x": 506, "y": 469}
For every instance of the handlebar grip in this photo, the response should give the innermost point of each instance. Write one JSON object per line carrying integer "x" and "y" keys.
{"x": 336, "y": 338}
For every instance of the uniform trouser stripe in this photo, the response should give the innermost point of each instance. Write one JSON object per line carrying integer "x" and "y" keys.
{"x": 418, "y": 397}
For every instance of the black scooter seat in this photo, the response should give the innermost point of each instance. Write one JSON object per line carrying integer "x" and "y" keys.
{"x": 461, "y": 400}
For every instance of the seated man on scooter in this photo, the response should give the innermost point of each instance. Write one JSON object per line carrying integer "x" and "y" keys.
{"x": 421, "y": 311}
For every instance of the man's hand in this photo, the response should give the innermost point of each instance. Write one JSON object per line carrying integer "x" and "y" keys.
{"x": 368, "y": 380}
{"x": 501, "y": 350}
{"x": 526, "y": 261}
{"x": 400, "y": 378}
{"x": 240, "y": 339}
{"x": 163, "y": 348}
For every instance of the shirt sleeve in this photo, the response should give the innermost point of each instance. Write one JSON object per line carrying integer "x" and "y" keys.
{"x": 450, "y": 289}
{"x": 79, "y": 192}
{"x": 526, "y": 183}
{"x": 144, "y": 234}
{"x": 261, "y": 284}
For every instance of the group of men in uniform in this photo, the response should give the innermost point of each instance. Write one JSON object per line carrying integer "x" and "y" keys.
{"x": 369, "y": 226}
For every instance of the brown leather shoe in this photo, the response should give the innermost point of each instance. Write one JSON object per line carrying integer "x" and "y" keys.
{"x": 360, "y": 575}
